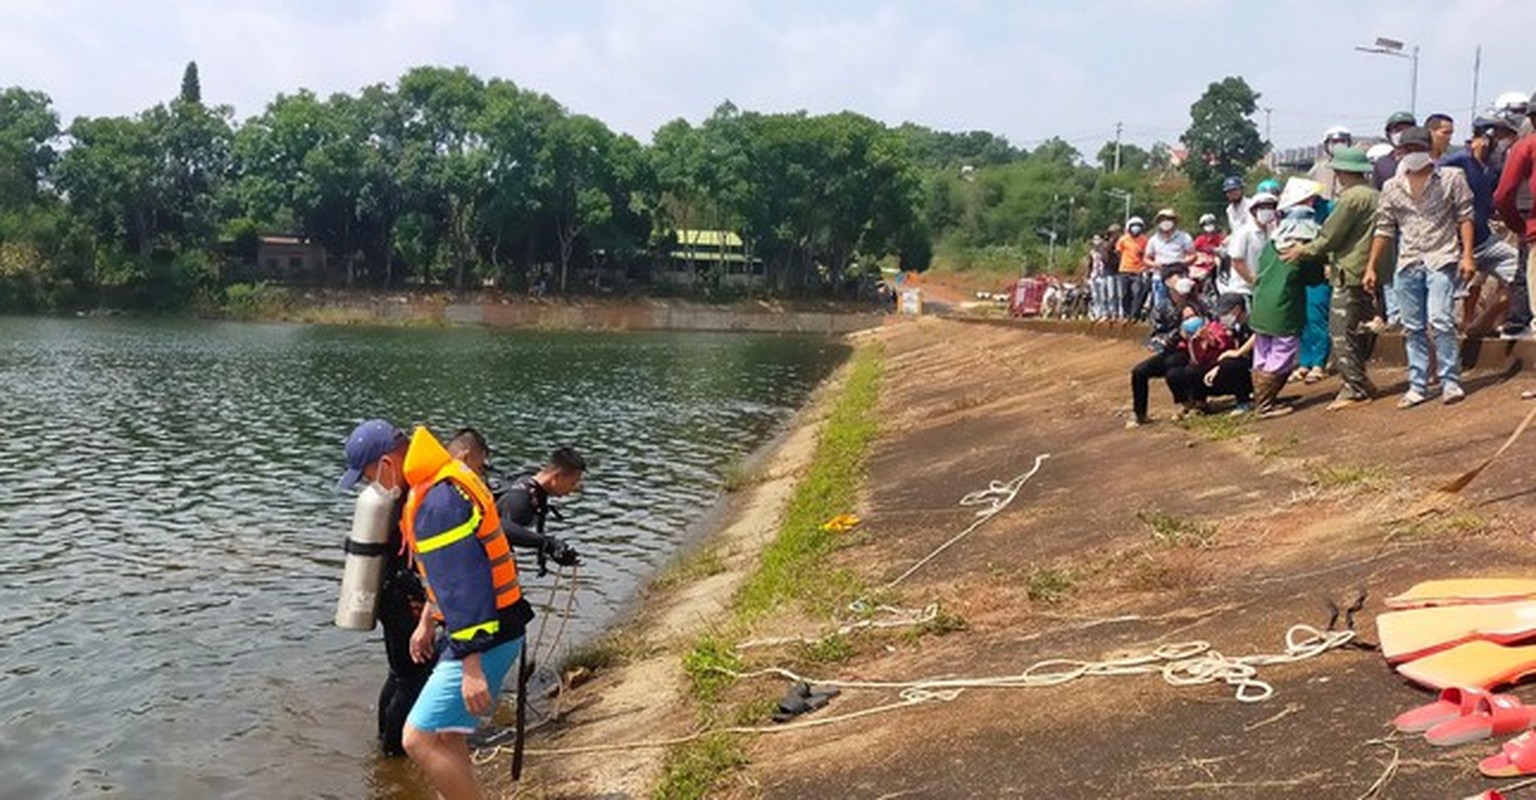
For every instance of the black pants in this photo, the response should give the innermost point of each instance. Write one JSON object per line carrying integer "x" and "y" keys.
{"x": 1234, "y": 377}
{"x": 1519, "y": 291}
{"x": 406, "y": 677}
{"x": 1133, "y": 294}
{"x": 1142, "y": 374}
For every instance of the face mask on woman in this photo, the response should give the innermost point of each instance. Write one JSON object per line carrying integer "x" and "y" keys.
{"x": 1135, "y": 230}
{"x": 1166, "y": 226}
{"x": 1265, "y": 216}
{"x": 1208, "y": 228}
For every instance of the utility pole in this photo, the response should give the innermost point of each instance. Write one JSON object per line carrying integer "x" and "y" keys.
{"x": 1118, "y": 128}
{"x": 1477, "y": 74}
{"x": 1269, "y": 146}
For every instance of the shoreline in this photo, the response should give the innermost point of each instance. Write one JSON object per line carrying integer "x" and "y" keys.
{"x": 500, "y": 310}
{"x": 637, "y": 659}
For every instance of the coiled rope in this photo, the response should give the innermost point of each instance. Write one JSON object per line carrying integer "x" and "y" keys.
{"x": 1192, "y": 663}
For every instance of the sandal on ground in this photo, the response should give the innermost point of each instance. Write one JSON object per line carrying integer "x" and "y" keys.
{"x": 1314, "y": 375}
{"x": 1452, "y": 703}
{"x": 1491, "y": 715}
{"x": 1517, "y": 757}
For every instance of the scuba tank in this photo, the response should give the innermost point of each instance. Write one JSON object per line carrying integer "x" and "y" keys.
{"x": 367, "y": 549}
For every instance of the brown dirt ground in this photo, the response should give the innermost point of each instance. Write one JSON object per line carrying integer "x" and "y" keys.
{"x": 966, "y": 404}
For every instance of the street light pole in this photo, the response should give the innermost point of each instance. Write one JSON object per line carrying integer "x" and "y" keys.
{"x": 1394, "y": 48}
{"x": 1126, "y": 196}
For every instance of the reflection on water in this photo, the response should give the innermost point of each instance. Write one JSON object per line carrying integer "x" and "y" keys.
{"x": 171, "y": 531}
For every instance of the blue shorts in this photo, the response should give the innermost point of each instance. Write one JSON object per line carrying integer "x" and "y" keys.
{"x": 440, "y": 707}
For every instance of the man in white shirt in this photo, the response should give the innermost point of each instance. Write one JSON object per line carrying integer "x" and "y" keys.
{"x": 1237, "y": 205}
{"x": 1169, "y": 251}
{"x": 1246, "y": 244}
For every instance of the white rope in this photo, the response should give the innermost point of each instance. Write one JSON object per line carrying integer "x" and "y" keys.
{"x": 1183, "y": 664}
{"x": 1191, "y": 663}
{"x": 996, "y": 497}
{"x": 901, "y": 618}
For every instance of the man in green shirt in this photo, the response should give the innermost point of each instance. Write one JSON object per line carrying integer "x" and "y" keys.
{"x": 1346, "y": 241}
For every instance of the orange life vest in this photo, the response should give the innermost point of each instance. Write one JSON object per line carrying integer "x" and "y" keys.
{"x": 427, "y": 463}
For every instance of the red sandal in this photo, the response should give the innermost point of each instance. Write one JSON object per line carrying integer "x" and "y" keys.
{"x": 1491, "y": 715}
{"x": 1452, "y": 703}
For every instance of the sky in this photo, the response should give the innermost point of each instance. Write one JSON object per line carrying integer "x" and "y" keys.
{"x": 1027, "y": 69}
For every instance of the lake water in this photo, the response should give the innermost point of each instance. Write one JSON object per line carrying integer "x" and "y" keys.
{"x": 171, "y": 532}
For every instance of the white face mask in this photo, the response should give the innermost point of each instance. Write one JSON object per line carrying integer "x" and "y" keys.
{"x": 1414, "y": 162}
{"x": 1135, "y": 230}
{"x": 1228, "y": 321}
{"x": 1395, "y": 137}
{"x": 1265, "y": 216}
{"x": 1208, "y": 228}
{"x": 1166, "y": 226}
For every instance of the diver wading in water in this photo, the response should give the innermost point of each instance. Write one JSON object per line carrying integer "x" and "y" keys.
{"x": 375, "y": 453}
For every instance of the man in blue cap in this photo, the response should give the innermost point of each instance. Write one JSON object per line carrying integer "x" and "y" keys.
{"x": 1237, "y": 205}
{"x": 375, "y": 452}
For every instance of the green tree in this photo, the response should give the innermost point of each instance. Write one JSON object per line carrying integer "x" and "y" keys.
{"x": 1222, "y": 138}
{"x": 191, "y": 87}
{"x": 28, "y": 130}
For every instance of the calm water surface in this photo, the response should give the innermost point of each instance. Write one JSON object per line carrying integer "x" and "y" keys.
{"x": 171, "y": 533}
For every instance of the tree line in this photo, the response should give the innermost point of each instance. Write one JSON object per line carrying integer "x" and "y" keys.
{"x": 447, "y": 179}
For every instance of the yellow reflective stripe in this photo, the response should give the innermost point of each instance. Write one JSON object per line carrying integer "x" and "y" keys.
{"x": 466, "y": 634}
{"x": 451, "y": 535}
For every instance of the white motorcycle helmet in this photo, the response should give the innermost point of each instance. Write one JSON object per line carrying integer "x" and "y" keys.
{"x": 1512, "y": 104}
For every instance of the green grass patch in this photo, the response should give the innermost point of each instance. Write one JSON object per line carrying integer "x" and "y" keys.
{"x": 1172, "y": 531}
{"x": 708, "y": 666}
{"x": 1217, "y": 427}
{"x": 600, "y": 654}
{"x": 790, "y": 567}
{"x": 738, "y": 476}
{"x": 1350, "y": 477}
{"x": 827, "y": 650}
{"x": 690, "y": 568}
{"x": 1047, "y": 585}
{"x": 695, "y": 769}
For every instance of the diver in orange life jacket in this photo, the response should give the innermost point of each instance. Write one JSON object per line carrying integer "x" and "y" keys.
{"x": 454, "y": 531}
{"x": 375, "y": 452}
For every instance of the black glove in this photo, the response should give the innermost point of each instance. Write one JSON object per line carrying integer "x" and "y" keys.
{"x": 560, "y": 552}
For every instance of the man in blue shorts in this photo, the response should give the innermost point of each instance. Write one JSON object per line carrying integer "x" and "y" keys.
{"x": 455, "y": 533}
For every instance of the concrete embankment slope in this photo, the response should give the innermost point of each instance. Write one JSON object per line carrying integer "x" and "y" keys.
{"x": 584, "y": 314}
{"x": 1130, "y": 539}
{"x": 1219, "y": 530}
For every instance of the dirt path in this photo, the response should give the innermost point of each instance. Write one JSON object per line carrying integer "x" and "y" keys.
{"x": 1274, "y": 521}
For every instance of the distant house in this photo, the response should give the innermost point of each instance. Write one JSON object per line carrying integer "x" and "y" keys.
{"x": 721, "y": 255}
{"x": 288, "y": 258}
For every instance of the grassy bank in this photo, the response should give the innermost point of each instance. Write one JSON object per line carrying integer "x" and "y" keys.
{"x": 791, "y": 571}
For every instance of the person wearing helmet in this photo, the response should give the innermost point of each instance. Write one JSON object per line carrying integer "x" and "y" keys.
{"x": 1237, "y": 205}
{"x": 1322, "y": 169}
{"x": 1429, "y": 211}
{"x": 1131, "y": 249}
{"x": 1514, "y": 106}
{"x": 1168, "y": 253}
{"x": 1512, "y": 198}
{"x": 1345, "y": 241}
{"x": 1208, "y": 246}
{"x": 1386, "y": 166}
{"x": 1246, "y": 244}
{"x": 1494, "y": 256}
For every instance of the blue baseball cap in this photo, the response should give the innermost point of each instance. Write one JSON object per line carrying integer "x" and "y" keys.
{"x": 369, "y": 442}
{"x": 1232, "y": 184}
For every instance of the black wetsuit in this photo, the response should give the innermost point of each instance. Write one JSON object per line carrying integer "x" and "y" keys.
{"x": 400, "y": 601}
{"x": 523, "y": 507}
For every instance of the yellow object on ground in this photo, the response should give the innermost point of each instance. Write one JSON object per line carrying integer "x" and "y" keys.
{"x": 1483, "y": 665}
{"x": 1418, "y": 632}
{"x": 841, "y": 523}
{"x": 1463, "y": 591}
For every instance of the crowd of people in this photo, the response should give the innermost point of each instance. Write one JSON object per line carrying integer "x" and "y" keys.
{"x": 1413, "y": 234}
